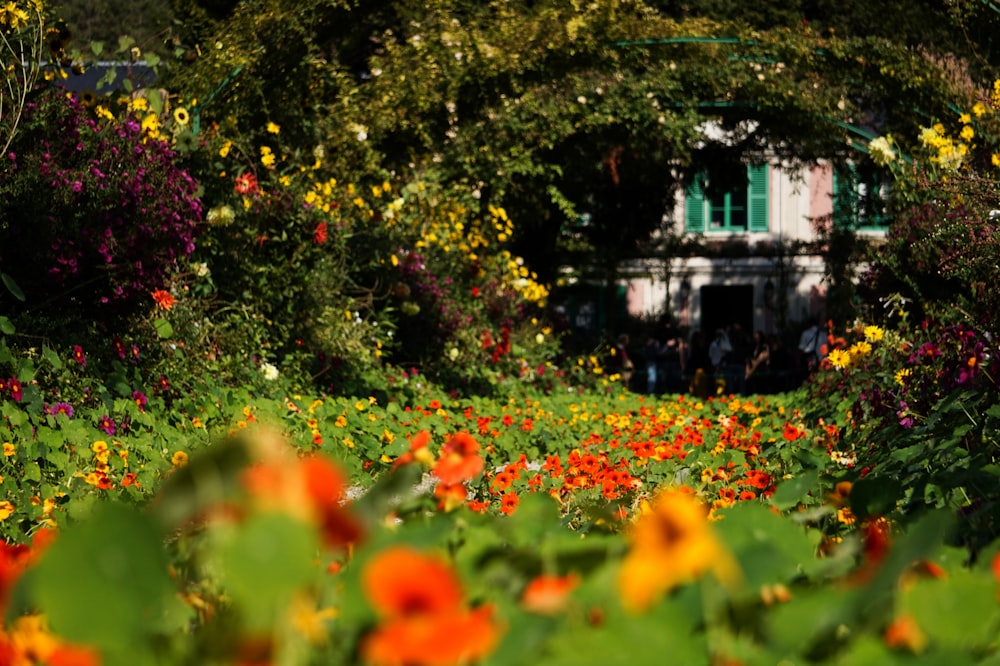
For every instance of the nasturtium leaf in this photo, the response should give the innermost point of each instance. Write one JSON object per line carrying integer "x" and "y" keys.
{"x": 104, "y": 581}
{"x": 793, "y": 492}
{"x": 960, "y": 611}
{"x": 6, "y": 327}
{"x": 264, "y": 562}
{"x": 874, "y": 497}
{"x": 768, "y": 548}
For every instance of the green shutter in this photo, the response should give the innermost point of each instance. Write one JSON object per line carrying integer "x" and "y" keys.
{"x": 694, "y": 207}
{"x": 757, "y": 197}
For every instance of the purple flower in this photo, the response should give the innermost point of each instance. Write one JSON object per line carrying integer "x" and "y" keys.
{"x": 107, "y": 424}
{"x": 78, "y": 355}
{"x": 14, "y": 387}
{"x": 61, "y": 408}
{"x": 140, "y": 399}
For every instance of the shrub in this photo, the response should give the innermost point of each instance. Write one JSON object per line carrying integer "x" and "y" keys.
{"x": 93, "y": 213}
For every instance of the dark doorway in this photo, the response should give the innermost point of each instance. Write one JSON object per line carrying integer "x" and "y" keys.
{"x": 722, "y": 305}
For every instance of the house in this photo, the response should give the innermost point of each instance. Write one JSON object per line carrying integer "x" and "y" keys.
{"x": 760, "y": 264}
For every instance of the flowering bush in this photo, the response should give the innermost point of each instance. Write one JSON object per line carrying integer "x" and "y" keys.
{"x": 94, "y": 212}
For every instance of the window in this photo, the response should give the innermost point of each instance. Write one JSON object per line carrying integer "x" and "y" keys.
{"x": 859, "y": 198}
{"x": 741, "y": 208}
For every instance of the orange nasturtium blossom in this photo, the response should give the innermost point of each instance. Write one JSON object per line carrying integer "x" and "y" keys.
{"x": 163, "y": 298}
{"x": 459, "y": 460}
{"x": 548, "y": 594}
{"x": 29, "y": 642}
{"x": 672, "y": 543}
{"x": 424, "y": 620}
{"x": 310, "y": 488}
{"x": 418, "y": 451}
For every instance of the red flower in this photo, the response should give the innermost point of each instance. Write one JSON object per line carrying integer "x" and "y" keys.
{"x": 78, "y": 355}
{"x": 246, "y": 184}
{"x": 320, "y": 236}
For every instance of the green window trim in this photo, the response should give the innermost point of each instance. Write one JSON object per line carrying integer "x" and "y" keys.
{"x": 853, "y": 205}
{"x": 737, "y": 211}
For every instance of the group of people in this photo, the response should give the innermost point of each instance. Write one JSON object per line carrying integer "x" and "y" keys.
{"x": 746, "y": 364}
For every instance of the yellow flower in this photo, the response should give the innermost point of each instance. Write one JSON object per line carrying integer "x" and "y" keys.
{"x": 179, "y": 459}
{"x": 978, "y": 109}
{"x": 150, "y": 123}
{"x": 341, "y": 421}
{"x": 266, "y": 157}
{"x": 873, "y": 333}
{"x": 226, "y": 147}
{"x": 14, "y": 16}
{"x": 6, "y": 509}
{"x": 967, "y": 133}
{"x": 860, "y": 348}
{"x": 103, "y": 112}
{"x": 99, "y": 447}
{"x": 902, "y": 374}
{"x": 965, "y": 119}
{"x": 996, "y": 160}
{"x": 671, "y": 544}
{"x": 8, "y": 449}
{"x": 181, "y": 115}
{"x": 272, "y": 128}
{"x": 839, "y": 358}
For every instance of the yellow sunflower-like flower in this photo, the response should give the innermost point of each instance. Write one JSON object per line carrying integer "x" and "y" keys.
{"x": 181, "y": 116}
{"x": 840, "y": 358}
{"x": 13, "y": 16}
{"x": 874, "y": 333}
{"x": 860, "y": 348}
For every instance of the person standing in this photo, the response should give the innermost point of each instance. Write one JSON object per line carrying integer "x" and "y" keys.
{"x": 813, "y": 344}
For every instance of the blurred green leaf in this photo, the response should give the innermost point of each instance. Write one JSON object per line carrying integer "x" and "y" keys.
{"x": 163, "y": 328}
{"x": 792, "y": 492}
{"x": 104, "y": 581}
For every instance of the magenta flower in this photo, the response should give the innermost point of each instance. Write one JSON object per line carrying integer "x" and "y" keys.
{"x": 61, "y": 408}
{"x": 14, "y": 387}
{"x": 78, "y": 355}
{"x": 140, "y": 399}
{"x": 107, "y": 424}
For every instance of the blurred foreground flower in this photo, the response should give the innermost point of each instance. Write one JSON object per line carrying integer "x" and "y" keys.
{"x": 424, "y": 620}
{"x": 672, "y": 543}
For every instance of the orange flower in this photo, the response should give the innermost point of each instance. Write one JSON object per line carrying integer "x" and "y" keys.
{"x": 418, "y": 451}
{"x": 163, "y": 299}
{"x": 460, "y": 460}
{"x": 309, "y": 488}
{"x": 450, "y": 495}
{"x": 548, "y": 594}
{"x": 508, "y": 503}
{"x": 401, "y": 581}
{"x": 457, "y": 637}
{"x": 903, "y": 633}
{"x": 425, "y": 621}
{"x": 671, "y": 544}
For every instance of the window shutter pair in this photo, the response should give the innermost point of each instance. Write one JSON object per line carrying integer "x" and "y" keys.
{"x": 695, "y": 215}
